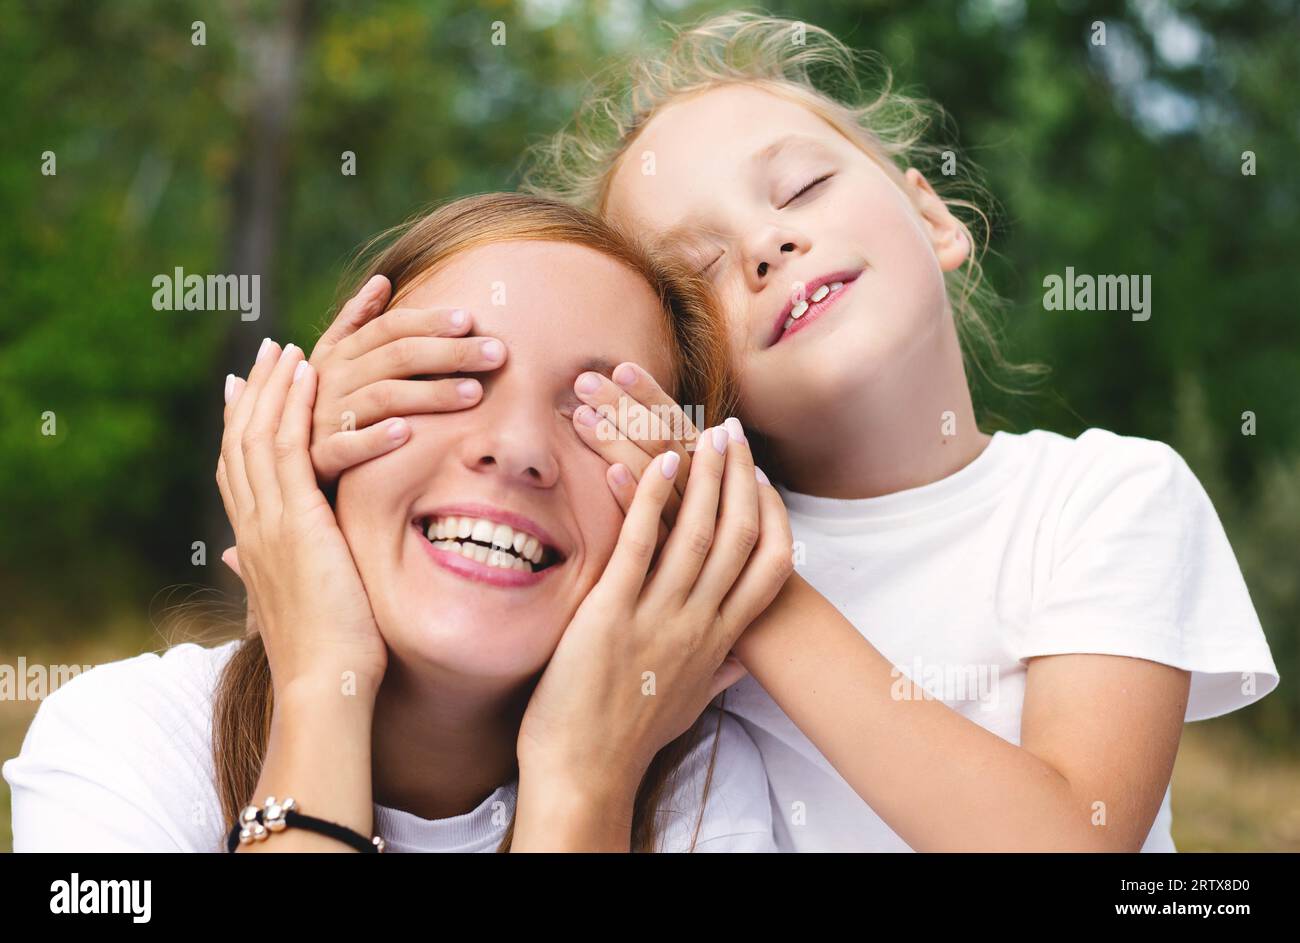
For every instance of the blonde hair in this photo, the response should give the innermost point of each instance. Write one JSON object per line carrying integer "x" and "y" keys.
{"x": 697, "y": 347}
{"x": 810, "y": 66}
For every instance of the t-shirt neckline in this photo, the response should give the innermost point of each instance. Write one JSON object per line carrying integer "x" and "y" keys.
{"x": 466, "y": 832}
{"x": 971, "y": 484}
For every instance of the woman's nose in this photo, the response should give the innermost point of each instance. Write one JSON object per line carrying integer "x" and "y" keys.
{"x": 515, "y": 441}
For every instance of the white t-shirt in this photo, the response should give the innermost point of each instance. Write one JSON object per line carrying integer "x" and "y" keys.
{"x": 119, "y": 758}
{"x": 1043, "y": 545}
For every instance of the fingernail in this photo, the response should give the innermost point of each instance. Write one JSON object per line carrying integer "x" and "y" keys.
{"x": 719, "y": 439}
{"x": 586, "y": 415}
{"x": 669, "y": 464}
{"x": 230, "y": 386}
{"x": 459, "y": 317}
{"x": 299, "y": 370}
{"x": 397, "y": 429}
{"x": 762, "y": 478}
{"x": 266, "y": 346}
{"x": 625, "y": 375}
{"x": 620, "y": 474}
{"x": 288, "y": 349}
{"x": 492, "y": 350}
{"x": 588, "y": 383}
{"x": 468, "y": 389}
{"x": 736, "y": 430}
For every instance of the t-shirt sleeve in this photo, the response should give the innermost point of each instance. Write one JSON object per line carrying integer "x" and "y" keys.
{"x": 737, "y": 807}
{"x": 1138, "y": 564}
{"x": 111, "y": 762}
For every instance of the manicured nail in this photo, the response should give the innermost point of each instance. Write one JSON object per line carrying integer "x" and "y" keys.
{"x": 230, "y": 386}
{"x": 719, "y": 439}
{"x": 620, "y": 474}
{"x": 299, "y": 370}
{"x": 288, "y": 350}
{"x": 762, "y": 478}
{"x": 492, "y": 350}
{"x": 396, "y": 429}
{"x": 468, "y": 389}
{"x": 669, "y": 464}
{"x": 735, "y": 429}
{"x": 586, "y": 415}
{"x": 459, "y": 317}
{"x": 266, "y": 346}
{"x": 588, "y": 383}
{"x": 625, "y": 375}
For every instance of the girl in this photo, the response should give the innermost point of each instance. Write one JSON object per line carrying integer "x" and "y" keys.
{"x": 993, "y": 640}
{"x": 997, "y": 638}
{"x": 392, "y": 687}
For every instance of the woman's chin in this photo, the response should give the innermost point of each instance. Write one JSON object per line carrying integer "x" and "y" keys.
{"x": 484, "y": 643}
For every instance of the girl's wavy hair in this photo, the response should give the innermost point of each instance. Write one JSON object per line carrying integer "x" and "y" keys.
{"x": 853, "y": 92}
{"x": 701, "y": 374}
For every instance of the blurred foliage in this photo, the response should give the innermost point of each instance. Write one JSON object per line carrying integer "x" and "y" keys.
{"x": 1123, "y": 158}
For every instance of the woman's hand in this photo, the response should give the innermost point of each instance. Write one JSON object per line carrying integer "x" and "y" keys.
{"x": 615, "y": 411}
{"x": 367, "y": 365}
{"x": 303, "y": 587}
{"x": 644, "y": 655}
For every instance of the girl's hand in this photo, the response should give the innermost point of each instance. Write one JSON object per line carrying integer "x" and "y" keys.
{"x": 303, "y": 587}
{"x": 616, "y": 411}
{"x": 643, "y": 657}
{"x": 366, "y": 365}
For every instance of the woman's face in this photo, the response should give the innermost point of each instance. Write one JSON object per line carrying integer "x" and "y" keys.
{"x": 510, "y": 469}
{"x": 777, "y": 204}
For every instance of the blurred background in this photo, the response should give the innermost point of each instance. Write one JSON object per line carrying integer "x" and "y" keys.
{"x": 226, "y": 156}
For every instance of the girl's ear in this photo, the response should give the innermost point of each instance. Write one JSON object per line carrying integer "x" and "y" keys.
{"x": 948, "y": 236}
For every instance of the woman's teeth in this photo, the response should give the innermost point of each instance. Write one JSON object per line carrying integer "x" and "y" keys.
{"x": 801, "y": 308}
{"x": 510, "y": 549}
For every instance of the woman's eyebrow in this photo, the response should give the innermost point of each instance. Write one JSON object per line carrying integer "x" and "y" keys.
{"x": 598, "y": 364}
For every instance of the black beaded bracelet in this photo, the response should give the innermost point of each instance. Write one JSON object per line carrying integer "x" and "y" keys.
{"x": 257, "y": 825}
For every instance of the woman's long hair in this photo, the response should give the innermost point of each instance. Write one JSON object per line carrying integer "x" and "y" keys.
{"x": 701, "y": 376}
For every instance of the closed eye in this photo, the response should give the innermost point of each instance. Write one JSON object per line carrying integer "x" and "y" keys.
{"x": 806, "y": 188}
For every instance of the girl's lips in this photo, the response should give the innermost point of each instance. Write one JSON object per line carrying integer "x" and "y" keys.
{"x": 480, "y": 572}
{"x": 816, "y": 309}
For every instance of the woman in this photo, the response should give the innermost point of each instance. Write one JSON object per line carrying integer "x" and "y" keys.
{"x": 392, "y": 687}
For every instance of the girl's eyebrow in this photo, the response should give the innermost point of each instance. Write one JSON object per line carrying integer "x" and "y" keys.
{"x": 773, "y": 150}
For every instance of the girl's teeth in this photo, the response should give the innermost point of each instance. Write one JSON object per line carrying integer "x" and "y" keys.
{"x": 836, "y": 286}
{"x": 788, "y": 322}
{"x": 463, "y": 527}
{"x": 483, "y": 530}
{"x": 821, "y": 293}
{"x": 798, "y": 310}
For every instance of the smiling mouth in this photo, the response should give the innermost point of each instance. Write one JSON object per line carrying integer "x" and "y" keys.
{"x": 490, "y": 543}
{"x": 822, "y": 293}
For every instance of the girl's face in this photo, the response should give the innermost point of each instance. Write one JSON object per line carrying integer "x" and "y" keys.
{"x": 512, "y": 465}
{"x": 779, "y": 206}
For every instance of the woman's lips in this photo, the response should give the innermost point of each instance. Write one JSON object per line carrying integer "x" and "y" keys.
{"x": 481, "y": 572}
{"x": 816, "y": 309}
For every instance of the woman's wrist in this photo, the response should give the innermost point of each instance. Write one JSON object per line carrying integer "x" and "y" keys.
{"x": 558, "y": 814}
{"x": 319, "y": 753}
